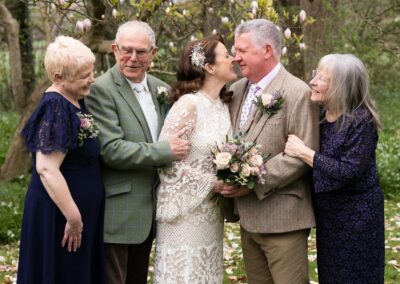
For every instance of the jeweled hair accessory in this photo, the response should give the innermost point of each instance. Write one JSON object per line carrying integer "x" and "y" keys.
{"x": 197, "y": 56}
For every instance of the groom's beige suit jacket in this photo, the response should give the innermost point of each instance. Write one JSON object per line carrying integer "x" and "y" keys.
{"x": 283, "y": 203}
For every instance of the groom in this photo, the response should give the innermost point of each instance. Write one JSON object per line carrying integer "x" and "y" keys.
{"x": 276, "y": 217}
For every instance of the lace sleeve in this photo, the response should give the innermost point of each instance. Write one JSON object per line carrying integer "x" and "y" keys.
{"x": 186, "y": 183}
{"x": 53, "y": 126}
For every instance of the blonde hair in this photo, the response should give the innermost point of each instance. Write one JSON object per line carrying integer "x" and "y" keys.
{"x": 349, "y": 87}
{"x": 66, "y": 56}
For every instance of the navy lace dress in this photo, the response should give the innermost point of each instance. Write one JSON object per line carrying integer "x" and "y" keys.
{"x": 348, "y": 203}
{"x": 54, "y": 126}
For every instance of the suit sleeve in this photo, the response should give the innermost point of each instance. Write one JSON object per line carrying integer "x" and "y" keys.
{"x": 116, "y": 151}
{"x": 282, "y": 170}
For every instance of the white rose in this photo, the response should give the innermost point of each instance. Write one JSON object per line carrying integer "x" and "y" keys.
{"x": 256, "y": 160}
{"x": 222, "y": 160}
{"x": 266, "y": 99}
{"x": 234, "y": 167}
{"x": 245, "y": 172}
{"x": 161, "y": 89}
{"x": 254, "y": 171}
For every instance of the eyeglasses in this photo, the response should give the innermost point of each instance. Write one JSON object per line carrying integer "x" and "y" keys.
{"x": 318, "y": 77}
{"x": 140, "y": 52}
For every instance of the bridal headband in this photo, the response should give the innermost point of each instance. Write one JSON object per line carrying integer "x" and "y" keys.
{"x": 197, "y": 56}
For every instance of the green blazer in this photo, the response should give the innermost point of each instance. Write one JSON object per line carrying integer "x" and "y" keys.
{"x": 129, "y": 155}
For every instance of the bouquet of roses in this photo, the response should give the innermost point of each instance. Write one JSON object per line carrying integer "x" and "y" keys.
{"x": 239, "y": 162}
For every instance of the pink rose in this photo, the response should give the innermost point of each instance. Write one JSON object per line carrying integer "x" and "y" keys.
{"x": 245, "y": 172}
{"x": 222, "y": 160}
{"x": 256, "y": 160}
{"x": 85, "y": 123}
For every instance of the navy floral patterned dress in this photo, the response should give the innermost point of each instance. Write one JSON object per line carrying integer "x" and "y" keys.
{"x": 348, "y": 203}
{"x": 54, "y": 126}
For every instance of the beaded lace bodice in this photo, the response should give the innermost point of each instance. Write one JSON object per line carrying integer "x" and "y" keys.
{"x": 185, "y": 184}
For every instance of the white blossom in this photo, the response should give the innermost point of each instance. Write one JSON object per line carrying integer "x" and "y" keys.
{"x": 214, "y": 31}
{"x": 193, "y": 38}
{"x": 114, "y": 13}
{"x": 167, "y": 10}
{"x": 211, "y": 10}
{"x": 121, "y": 1}
{"x": 224, "y": 20}
{"x": 79, "y": 26}
{"x": 103, "y": 17}
{"x": 302, "y": 45}
{"x": 284, "y": 51}
{"x": 302, "y": 16}
{"x": 184, "y": 12}
{"x": 254, "y": 5}
{"x": 287, "y": 33}
{"x": 171, "y": 44}
{"x": 87, "y": 24}
{"x": 152, "y": 64}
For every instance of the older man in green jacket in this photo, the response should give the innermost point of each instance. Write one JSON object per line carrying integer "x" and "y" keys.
{"x": 124, "y": 103}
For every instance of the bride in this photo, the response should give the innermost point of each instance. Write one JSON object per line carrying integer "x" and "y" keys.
{"x": 189, "y": 222}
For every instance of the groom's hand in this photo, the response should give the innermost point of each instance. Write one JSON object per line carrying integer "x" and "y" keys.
{"x": 180, "y": 147}
{"x": 235, "y": 191}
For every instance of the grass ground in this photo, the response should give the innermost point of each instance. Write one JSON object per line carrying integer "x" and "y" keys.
{"x": 233, "y": 261}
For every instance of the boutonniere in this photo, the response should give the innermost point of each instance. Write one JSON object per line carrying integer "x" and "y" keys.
{"x": 88, "y": 128}
{"x": 163, "y": 97}
{"x": 269, "y": 103}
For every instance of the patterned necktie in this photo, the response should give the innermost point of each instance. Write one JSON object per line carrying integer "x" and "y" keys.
{"x": 254, "y": 88}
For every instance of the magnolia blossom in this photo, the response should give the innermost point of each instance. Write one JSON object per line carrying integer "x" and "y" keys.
{"x": 284, "y": 51}
{"x": 114, "y": 13}
{"x": 211, "y": 10}
{"x": 103, "y": 17}
{"x": 224, "y": 20}
{"x": 222, "y": 160}
{"x": 184, "y": 12}
{"x": 254, "y": 5}
{"x": 171, "y": 44}
{"x": 256, "y": 160}
{"x": 302, "y": 45}
{"x": 152, "y": 64}
{"x": 87, "y": 24}
{"x": 121, "y": 1}
{"x": 234, "y": 167}
{"x": 302, "y": 16}
{"x": 245, "y": 172}
{"x": 287, "y": 33}
{"x": 79, "y": 26}
{"x": 167, "y": 10}
{"x": 214, "y": 31}
{"x": 193, "y": 38}
{"x": 266, "y": 99}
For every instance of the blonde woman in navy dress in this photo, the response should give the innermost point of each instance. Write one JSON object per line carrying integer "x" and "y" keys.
{"x": 62, "y": 226}
{"x": 348, "y": 200}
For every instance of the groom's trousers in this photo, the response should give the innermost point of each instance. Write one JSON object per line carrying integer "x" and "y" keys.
{"x": 276, "y": 258}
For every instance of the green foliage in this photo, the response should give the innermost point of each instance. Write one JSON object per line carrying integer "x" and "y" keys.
{"x": 370, "y": 32}
{"x": 8, "y": 123}
{"x": 388, "y": 152}
{"x": 11, "y": 205}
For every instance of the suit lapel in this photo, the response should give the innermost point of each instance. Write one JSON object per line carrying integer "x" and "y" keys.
{"x": 259, "y": 118}
{"x": 240, "y": 93}
{"x": 129, "y": 96}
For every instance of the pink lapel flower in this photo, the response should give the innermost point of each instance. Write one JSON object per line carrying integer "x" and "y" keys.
{"x": 88, "y": 128}
{"x": 269, "y": 103}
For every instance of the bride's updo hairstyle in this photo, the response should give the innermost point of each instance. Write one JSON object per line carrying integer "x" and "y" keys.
{"x": 190, "y": 75}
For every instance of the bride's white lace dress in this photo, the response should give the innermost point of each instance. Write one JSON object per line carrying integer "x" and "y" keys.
{"x": 189, "y": 223}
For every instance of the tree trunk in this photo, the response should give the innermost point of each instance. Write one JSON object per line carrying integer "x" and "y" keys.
{"x": 315, "y": 34}
{"x": 18, "y": 161}
{"x": 12, "y": 32}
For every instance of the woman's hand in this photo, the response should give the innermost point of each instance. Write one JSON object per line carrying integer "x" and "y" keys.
{"x": 73, "y": 233}
{"x": 296, "y": 148}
